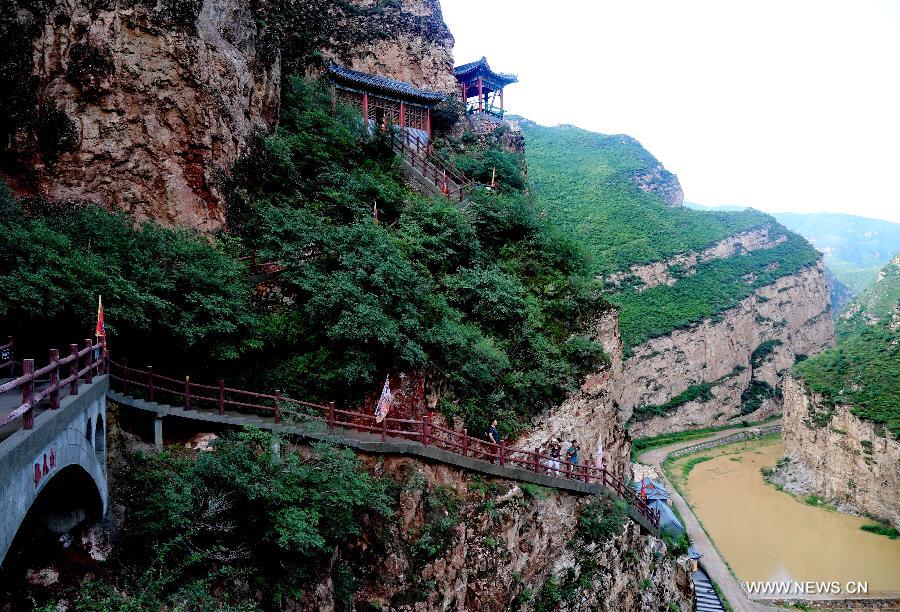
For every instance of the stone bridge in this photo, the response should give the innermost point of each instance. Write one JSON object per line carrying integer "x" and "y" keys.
{"x": 52, "y": 456}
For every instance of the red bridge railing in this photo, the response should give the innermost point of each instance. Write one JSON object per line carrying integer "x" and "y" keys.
{"x": 184, "y": 392}
{"x": 79, "y": 365}
{"x": 257, "y": 267}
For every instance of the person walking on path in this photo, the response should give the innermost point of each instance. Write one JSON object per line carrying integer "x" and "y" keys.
{"x": 555, "y": 450}
{"x": 493, "y": 434}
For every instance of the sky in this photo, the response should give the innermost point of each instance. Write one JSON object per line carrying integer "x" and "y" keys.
{"x": 782, "y": 105}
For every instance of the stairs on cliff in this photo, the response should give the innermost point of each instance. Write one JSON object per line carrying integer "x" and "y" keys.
{"x": 707, "y": 598}
{"x": 427, "y": 169}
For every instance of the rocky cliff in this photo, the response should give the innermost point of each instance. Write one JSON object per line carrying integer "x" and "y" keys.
{"x": 504, "y": 547}
{"x": 729, "y": 366}
{"x": 138, "y": 107}
{"x": 591, "y": 413}
{"x": 844, "y": 459}
{"x": 145, "y": 106}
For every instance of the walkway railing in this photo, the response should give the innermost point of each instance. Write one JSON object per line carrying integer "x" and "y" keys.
{"x": 184, "y": 392}
{"x": 421, "y": 156}
{"x": 257, "y": 267}
{"x": 82, "y": 364}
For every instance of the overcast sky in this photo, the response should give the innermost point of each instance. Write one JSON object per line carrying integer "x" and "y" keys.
{"x": 783, "y": 105}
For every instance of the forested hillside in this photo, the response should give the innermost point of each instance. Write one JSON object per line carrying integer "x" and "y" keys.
{"x": 488, "y": 303}
{"x": 863, "y": 370}
{"x": 589, "y": 183}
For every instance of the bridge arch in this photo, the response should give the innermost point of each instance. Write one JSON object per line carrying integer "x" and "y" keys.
{"x": 61, "y": 452}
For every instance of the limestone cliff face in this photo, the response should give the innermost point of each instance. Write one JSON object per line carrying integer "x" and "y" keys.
{"x": 661, "y": 272}
{"x": 145, "y": 106}
{"x": 848, "y": 461}
{"x": 504, "y": 545}
{"x": 138, "y": 106}
{"x": 592, "y": 411}
{"x": 405, "y": 40}
{"x": 741, "y": 352}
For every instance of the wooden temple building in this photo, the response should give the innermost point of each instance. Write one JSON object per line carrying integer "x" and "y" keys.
{"x": 478, "y": 81}
{"x": 386, "y": 102}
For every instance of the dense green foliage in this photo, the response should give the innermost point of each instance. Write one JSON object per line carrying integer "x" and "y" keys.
{"x": 861, "y": 370}
{"x": 236, "y": 515}
{"x": 586, "y": 182}
{"x": 882, "y": 529}
{"x": 162, "y": 289}
{"x": 762, "y": 352}
{"x": 700, "y": 392}
{"x": 602, "y": 519}
{"x": 490, "y": 300}
{"x": 716, "y": 286}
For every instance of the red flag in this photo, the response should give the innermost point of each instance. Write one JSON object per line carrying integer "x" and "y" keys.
{"x": 100, "y": 330}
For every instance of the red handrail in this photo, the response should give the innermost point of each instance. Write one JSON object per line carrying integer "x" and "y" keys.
{"x": 82, "y": 365}
{"x": 185, "y": 392}
{"x": 440, "y": 171}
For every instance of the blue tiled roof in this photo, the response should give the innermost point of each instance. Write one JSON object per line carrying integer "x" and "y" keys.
{"x": 652, "y": 488}
{"x": 467, "y": 69}
{"x": 375, "y": 83}
{"x": 667, "y": 519}
{"x": 693, "y": 553}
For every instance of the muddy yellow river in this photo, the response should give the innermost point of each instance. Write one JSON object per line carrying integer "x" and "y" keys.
{"x": 765, "y": 534}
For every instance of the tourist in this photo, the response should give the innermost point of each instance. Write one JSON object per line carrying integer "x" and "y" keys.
{"x": 572, "y": 455}
{"x": 493, "y": 434}
{"x": 555, "y": 450}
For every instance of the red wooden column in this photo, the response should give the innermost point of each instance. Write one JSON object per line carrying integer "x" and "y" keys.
{"x": 366, "y": 108}
{"x": 428, "y": 123}
{"x": 501, "y": 100}
{"x": 480, "y": 96}
{"x": 402, "y": 117}
{"x": 465, "y": 90}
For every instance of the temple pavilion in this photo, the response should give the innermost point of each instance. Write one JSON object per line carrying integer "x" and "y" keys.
{"x": 482, "y": 88}
{"x": 386, "y": 102}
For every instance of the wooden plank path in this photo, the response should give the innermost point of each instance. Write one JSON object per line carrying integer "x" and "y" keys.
{"x": 166, "y": 396}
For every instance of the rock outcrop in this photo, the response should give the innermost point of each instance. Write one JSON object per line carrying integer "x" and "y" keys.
{"x": 144, "y": 107}
{"x": 507, "y": 547}
{"x": 668, "y": 272}
{"x": 591, "y": 413}
{"x": 846, "y": 460}
{"x": 740, "y": 355}
{"x": 138, "y": 107}
{"x": 405, "y": 40}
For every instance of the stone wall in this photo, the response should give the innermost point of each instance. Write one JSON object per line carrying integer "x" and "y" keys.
{"x": 850, "y": 462}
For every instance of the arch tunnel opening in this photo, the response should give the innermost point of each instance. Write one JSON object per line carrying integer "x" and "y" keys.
{"x": 50, "y": 535}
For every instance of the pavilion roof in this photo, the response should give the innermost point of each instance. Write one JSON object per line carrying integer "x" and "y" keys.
{"x": 481, "y": 66}
{"x": 382, "y": 84}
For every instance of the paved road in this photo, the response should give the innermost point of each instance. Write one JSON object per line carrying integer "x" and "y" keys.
{"x": 712, "y": 560}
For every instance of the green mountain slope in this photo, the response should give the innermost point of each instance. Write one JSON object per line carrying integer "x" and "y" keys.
{"x": 855, "y": 247}
{"x": 863, "y": 370}
{"x": 586, "y": 183}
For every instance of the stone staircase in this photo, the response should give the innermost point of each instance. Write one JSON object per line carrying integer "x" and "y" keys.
{"x": 428, "y": 170}
{"x": 707, "y": 598}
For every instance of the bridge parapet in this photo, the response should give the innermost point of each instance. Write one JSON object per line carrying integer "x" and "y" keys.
{"x": 62, "y": 426}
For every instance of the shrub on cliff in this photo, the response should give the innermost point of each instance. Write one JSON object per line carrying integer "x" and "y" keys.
{"x": 166, "y": 292}
{"x": 485, "y": 300}
{"x": 235, "y": 516}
